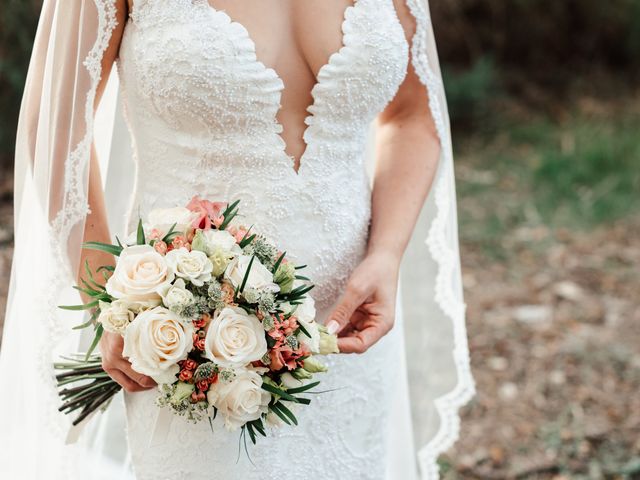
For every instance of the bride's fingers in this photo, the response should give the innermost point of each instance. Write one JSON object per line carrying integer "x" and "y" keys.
{"x": 350, "y": 301}
{"x": 142, "y": 380}
{"x": 124, "y": 381}
{"x": 360, "y": 341}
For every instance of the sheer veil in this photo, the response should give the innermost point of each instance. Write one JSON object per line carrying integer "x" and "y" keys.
{"x": 56, "y": 131}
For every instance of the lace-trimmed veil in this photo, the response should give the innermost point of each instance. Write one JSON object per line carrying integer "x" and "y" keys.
{"x": 55, "y": 133}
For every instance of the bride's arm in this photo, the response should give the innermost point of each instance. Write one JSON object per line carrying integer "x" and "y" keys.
{"x": 407, "y": 149}
{"x": 97, "y": 229}
{"x": 96, "y": 225}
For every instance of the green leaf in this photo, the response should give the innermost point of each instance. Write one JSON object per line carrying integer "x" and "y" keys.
{"x": 88, "y": 323}
{"x": 140, "y": 240}
{"x": 230, "y": 208}
{"x": 303, "y": 330}
{"x": 287, "y": 412}
{"x": 246, "y": 275}
{"x": 257, "y": 424}
{"x": 246, "y": 241}
{"x": 115, "y": 250}
{"x": 96, "y": 339}
{"x": 278, "y": 262}
{"x": 303, "y": 388}
{"x": 277, "y": 391}
{"x": 229, "y": 213}
{"x": 108, "y": 268}
{"x": 252, "y": 434}
{"x": 299, "y": 267}
{"x": 302, "y": 400}
{"x": 171, "y": 234}
{"x": 302, "y": 277}
{"x": 280, "y": 414}
{"x": 86, "y": 306}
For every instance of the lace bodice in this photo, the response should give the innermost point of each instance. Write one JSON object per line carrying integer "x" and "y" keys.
{"x": 202, "y": 113}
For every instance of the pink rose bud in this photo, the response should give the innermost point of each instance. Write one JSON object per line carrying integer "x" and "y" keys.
{"x": 203, "y": 385}
{"x": 160, "y": 247}
{"x": 190, "y": 364}
{"x": 179, "y": 242}
{"x": 186, "y": 375}
{"x": 199, "y": 344}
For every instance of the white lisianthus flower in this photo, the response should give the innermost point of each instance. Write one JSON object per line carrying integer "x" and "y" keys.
{"x": 220, "y": 260}
{"x": 193, "y": 266}
{"x": 259, "y": 276}
{"x": 312, "y": 342}
{"x": 162, "y": 219}
{"x": 115, "y": 317}
{"x": 139, "y": 274}
{"x": 176, "y": 295}
{"x": 156, "y": 341}
{"x": 235, "y": 338}
{"x": 239, "y": 400}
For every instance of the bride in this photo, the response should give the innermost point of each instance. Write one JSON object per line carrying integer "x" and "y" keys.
{"x": 272, "y": 102}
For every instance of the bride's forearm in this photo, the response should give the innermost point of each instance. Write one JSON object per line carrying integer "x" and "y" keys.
{"x": 407, "y": 158}
{"x": 96, "y": 225}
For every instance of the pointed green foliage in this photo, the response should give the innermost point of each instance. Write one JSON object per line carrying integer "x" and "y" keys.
{"x": 246, "y": 275}
{"x": 96, "y": 339}
{"x": 278, "y": 262}
{"x": 140, "y": 240}
{"x": 115, "y": 250}
{"x": 171, "y": 234}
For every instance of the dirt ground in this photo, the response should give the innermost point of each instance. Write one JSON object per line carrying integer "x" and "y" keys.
{"x": 555, "y": 339}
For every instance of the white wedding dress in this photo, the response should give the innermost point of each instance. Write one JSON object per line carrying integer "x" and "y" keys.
{"x": 201, "y": 110}
{"x": 201, "y": 118}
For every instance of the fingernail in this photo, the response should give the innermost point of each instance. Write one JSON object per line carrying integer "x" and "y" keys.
{"x": 333, "y": 327}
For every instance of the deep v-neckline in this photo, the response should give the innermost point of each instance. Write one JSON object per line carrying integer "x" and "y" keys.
{"x": 310, "y": 118}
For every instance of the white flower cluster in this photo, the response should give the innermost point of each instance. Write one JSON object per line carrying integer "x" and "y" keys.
{"x": 156, "y": 297}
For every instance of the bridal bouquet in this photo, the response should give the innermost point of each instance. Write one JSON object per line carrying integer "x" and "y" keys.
{"x": 214, "y": 313}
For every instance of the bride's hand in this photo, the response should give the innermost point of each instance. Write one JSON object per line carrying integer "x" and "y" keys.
{"x": 366, "y": 311}
{"x": 118, "y": 367}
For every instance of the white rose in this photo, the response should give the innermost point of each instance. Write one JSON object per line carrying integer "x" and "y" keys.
{"x": 220, "y": 239}
{"x": 235, "y": 338}
{"x": 139, "y": 274}
{"x": 259, "y": 276}
{"x": 307, "y": 309}
{"x": 239, "y": 400}
{"x": 193, "y": 266}
{"x": 162, "y": 219}
{"x": 176, "y": 295}
{"x": 115, "y": 317}
{"x": 156, "y": 341}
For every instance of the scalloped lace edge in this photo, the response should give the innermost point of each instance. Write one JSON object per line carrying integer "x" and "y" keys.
{"x": 74, "y": 210}
{"x": 444, "y": 255}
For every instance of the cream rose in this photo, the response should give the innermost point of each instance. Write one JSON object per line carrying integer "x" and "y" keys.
{"x": 176, "y": 295}
{"x": 239, "y": 400}
{"x": 139, "y": 274}
{"x": 259, "y": 275}
{"x": 235, "y": 338}
{"x": 115, "y": 317}
{"x": 156, "y": 341}
{"x": 162, "y": 219}
{"x": 193, "y": 266}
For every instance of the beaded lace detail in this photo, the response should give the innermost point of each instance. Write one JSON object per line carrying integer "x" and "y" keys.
{"x": 202, "y": 112}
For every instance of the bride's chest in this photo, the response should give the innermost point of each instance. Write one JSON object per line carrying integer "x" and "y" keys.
{"x": 191, "y": 62}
